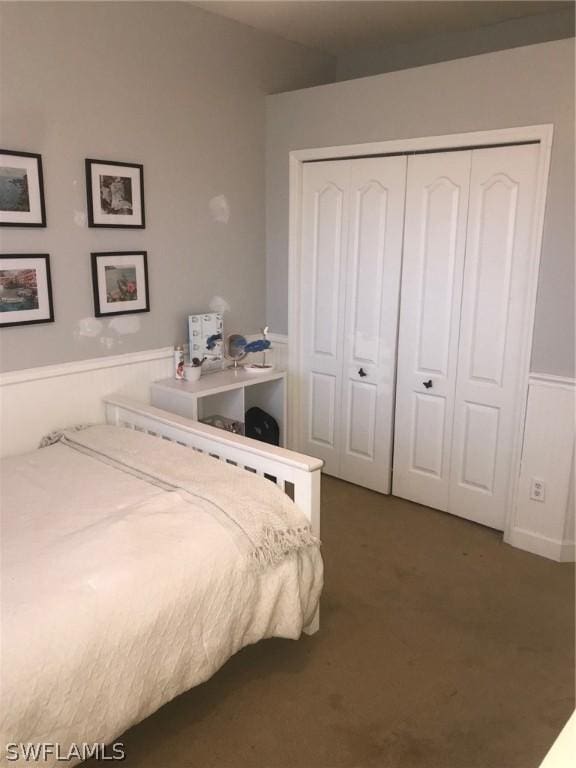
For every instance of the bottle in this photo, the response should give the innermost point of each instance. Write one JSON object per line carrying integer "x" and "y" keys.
{"x": 179, "y": 362}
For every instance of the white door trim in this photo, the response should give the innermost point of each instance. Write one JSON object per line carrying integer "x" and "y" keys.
{"x": 540, "y": 133}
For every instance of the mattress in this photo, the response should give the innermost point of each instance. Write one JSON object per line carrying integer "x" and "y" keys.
{"x": 128, "y": 576}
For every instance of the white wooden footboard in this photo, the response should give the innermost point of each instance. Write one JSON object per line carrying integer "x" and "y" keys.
{"x": 298, "y": 475}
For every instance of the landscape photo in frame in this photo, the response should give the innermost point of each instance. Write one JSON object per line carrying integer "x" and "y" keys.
{"x": 25, "y": 289}
{"x": 21, "y": 189}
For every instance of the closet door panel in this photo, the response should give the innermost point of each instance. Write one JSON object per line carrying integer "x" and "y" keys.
{"x": 498, "y": 258}
{"x": 362, "y": 406}
{"x": 323, "y": 244}
{"x": 491, "y": 251}
{"x": 366, "y": 262}
{"x": 427, "y": 446}
{"x": 326, "y": 268}
{"x": 322, "y": 408}
{"x": 439, "y": 255}
{"x": 478, "y": 464}
{"x": 377, "y": 192}
{"x": 432, "y": 273}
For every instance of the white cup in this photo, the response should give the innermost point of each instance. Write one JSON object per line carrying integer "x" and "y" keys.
{"x": 192, "y": 372}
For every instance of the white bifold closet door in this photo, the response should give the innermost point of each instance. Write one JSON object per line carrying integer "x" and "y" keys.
{"x": 434, "y": 247}
{"x": 462, "y": 322}
{"x": 352, "y": 223}
{"x": 325, "y": 217}
{"x": 493, "y": 327}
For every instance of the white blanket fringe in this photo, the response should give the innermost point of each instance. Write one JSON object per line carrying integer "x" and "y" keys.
{"x": 271, "y": 523}
{"x": 56, "y": 435}
{"x": 276, "y": 544}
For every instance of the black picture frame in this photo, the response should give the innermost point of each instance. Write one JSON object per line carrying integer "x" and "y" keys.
{"x": 104, "y": 211}
{"x": 125, "y": 265}
{"x": 21, "y": 288}
{"x": 30, "y": 163}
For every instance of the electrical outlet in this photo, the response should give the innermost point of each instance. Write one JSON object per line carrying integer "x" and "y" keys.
{"x": 537, "y": 489}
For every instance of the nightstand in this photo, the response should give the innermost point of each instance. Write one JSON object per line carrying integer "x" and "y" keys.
{"x": 228, "y": 393}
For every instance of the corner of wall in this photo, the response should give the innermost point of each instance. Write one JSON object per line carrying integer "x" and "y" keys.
{"x": 546, "y": 527}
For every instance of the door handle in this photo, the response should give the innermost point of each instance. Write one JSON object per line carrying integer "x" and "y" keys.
{"x": 362, "y": 373}
{"x": 427, "y": 384}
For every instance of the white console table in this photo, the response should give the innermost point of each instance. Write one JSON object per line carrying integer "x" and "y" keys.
{"x": 227, "y": 393}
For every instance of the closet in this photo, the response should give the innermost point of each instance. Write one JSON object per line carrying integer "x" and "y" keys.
{"x": 414, "y": 282}
{"x": 352, "y": 224}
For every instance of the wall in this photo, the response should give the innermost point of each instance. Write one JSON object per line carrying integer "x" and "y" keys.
{"x": 177, "y": 89}
{"x": 523, "y": 86}
{"x": 546, "y": 526}
{"x": 512, "y": 33}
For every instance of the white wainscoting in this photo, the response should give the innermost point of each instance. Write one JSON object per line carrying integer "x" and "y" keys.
{"x": 547, "y": 527}
{"x": 35, "y": 401}
{"x": 279, "y": 350}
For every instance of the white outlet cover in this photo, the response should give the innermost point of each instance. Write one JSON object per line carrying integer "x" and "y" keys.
{"x": 537, "y": 489}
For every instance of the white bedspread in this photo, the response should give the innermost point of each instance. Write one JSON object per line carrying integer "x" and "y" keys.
{"x": 117, "y": 594}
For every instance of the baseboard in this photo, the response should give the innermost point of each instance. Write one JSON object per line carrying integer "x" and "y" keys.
{"x": 529, "y": 541}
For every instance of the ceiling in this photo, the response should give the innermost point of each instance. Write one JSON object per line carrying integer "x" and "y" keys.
{"x": 336, "y": 27}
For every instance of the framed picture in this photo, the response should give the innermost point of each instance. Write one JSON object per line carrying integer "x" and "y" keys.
{"x": 120, "y": 282}
{"x": 115, "y": 194}
{"x": 21, "y": 190}
{"x": 25, "y": 289}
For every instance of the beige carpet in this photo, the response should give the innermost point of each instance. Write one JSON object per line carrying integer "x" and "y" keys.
{"x": 440, "y": 647}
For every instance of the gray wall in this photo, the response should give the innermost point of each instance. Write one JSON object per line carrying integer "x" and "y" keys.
{"x": 523, "y": 86}
{"x": 167, "y": 85}
{"x": 527, "y": 30}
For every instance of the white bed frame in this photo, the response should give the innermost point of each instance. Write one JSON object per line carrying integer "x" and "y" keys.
{"x": 296, "y": 474}
{"x": 36, "y": 401}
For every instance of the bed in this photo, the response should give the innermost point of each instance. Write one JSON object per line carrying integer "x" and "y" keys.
{"x": 137, "y": 557}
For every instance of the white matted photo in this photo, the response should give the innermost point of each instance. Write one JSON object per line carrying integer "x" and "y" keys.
{"x": 115, "y": 194}
{"x": 21, "y": 190}
{"x": 25, "y": 289}
{"x": 120, "y": 282}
